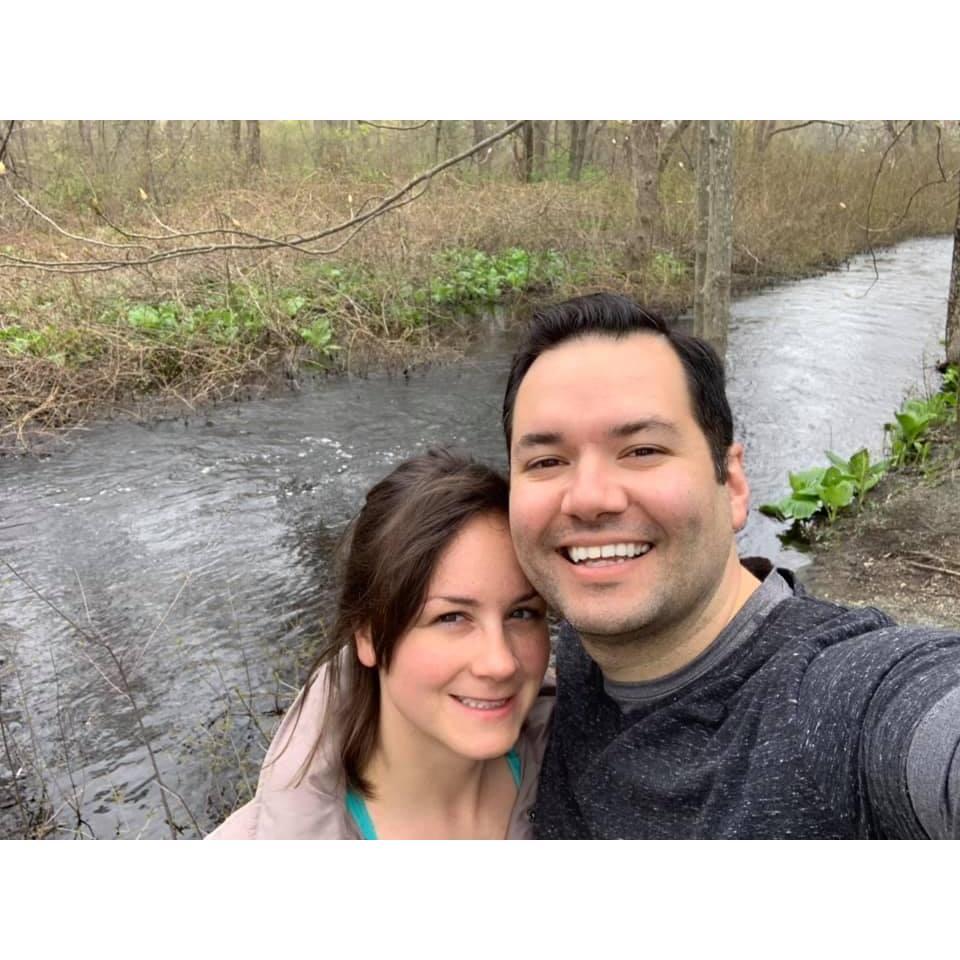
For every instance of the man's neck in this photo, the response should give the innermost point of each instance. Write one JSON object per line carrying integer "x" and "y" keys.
{"x": 658, "y": 652}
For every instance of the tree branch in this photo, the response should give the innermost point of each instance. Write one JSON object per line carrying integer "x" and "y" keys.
{"x": 6, "y": 139}
{"x": 800, "y": 126}
{"x": 385, "y": 126}
{"x": 394, "y": 201}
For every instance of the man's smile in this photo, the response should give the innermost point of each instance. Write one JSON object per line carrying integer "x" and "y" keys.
{"x": 606, "y": 552}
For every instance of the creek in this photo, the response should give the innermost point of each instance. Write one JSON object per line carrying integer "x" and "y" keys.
{"x": 199, "y": 548}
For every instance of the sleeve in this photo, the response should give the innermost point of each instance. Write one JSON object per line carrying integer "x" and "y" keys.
{"x": 933, "y": 769}
{"x": 909, "y": 747}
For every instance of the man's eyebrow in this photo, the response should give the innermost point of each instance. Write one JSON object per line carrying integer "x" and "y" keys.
{"x": 539, "y": 439}
{"x": 638, "y": 426}
{"x": 620, "y": 431}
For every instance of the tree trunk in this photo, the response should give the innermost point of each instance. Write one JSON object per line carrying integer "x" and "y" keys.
{"x": 762, "y": 132}
{"x": 438, "y": 130}
{"x": 669, "y": 148}
{"x": 714, "y": 244}
{"x": 253, "y": 143}
{"x": 148, "y": 157}
{"x": 482, "y": 159}
{"x": 578, "y": 146}
{"x": 645, "y": 181}
{"x": 953, "y": 299}
{"x": 541, "y": 130}
{"x": 236, "y": 133}
{"x": 86, "y": 138}
{"x": 525, "y": 159}
{"x": 174, "y": 133}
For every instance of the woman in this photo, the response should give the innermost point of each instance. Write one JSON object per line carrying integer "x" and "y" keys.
{"x": 421, "y": 719}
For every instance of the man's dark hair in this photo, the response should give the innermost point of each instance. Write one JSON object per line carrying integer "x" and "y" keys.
{"x": 612, "y": 315}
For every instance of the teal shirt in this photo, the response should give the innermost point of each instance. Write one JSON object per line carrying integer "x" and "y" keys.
{"x": 357, "y": 806}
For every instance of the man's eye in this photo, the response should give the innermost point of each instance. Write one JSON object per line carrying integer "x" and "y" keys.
{"x": 643, "y": 452}
{"x": 544, "y": 463}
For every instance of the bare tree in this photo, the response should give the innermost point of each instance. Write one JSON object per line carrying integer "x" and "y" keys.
{"x": 714, "y": 243}
{"x": 953, "y": 301}
{"x": 236, "y": 133}
{"x": 541, "y": 131}
{"x": 673, "y": 141}
{"x": 482, "y": 158}
{"x": 579, "y": 130}
{"x": 527, "y": 131}
{"x": 253, "y": 143}
{"x": 643, "y": 152}
{"x": 5, "y": 143}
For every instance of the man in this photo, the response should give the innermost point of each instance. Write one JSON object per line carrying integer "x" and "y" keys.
{"x": 698, "y": 695}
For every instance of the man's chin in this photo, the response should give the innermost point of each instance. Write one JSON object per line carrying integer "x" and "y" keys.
{"x": 607, "y": 631}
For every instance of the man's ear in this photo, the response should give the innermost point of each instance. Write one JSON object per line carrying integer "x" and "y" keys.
{"x": 365, "y": 651}
{"x": 738, "y": 490}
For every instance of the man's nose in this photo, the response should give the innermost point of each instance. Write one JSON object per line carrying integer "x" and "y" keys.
{"x": 594, "y": 489}
{"x": 495, "y": 658}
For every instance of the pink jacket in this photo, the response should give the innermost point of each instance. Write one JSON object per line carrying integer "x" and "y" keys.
{"x": 315, "y": 808}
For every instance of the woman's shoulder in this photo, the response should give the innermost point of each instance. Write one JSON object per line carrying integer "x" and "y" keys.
{"x": 300, "y": 794}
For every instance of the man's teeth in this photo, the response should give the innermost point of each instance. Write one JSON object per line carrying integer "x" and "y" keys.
{"x": 483, "y": 704}
{"x": 607, "y": 551}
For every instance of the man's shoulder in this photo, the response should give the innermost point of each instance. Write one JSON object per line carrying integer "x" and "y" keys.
{"x": 838, "y": 631}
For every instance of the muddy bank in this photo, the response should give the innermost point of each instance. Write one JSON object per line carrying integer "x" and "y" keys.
{"x": 900, "y": 553}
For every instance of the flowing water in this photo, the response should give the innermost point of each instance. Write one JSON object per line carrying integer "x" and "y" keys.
{"x": 199, "y": 548}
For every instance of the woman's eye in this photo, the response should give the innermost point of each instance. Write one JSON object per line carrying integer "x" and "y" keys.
{"x": 526, "y": 613}
{"x": 452, "y": 617}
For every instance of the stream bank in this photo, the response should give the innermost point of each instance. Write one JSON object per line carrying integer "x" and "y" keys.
{"x": 899, "y": 553}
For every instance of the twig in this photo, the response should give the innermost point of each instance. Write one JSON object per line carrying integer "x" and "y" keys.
{"x": 873, "y": 189}
{"x": 124, "y": 688}
{"x": 930, "y": 566}
{"x": 800, "y": 126}
{"x": 384, "y": 126}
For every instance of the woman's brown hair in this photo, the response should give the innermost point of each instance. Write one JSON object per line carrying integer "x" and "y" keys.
{"x": 387, "y": 559}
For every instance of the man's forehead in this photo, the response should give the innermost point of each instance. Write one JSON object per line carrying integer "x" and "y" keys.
{"x": 643, "y": 362}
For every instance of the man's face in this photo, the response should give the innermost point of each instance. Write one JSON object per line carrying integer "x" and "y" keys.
{"x": 607, "y": 458}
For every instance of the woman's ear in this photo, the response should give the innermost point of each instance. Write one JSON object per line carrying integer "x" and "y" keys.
{"x": 365, "y": 651}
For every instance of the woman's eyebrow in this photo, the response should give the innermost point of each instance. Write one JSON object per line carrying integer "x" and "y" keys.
{"x": 462, "y": 601}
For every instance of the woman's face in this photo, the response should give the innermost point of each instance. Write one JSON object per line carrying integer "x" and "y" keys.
{"x": 464, "y": 676}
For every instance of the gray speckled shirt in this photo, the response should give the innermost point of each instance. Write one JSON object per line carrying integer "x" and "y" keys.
{"x": 802, "y": 719}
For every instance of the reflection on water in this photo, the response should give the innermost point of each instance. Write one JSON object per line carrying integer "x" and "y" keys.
{"x": 200, "y": 548}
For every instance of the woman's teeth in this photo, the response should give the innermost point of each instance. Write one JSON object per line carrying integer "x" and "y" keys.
{"x": 482, "y": 704}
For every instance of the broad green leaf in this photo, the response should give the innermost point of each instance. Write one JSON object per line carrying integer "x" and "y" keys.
{"x": 859, "y": 462}
{"x": 837, "y": 460}
{"x": 839, "y": 495}
{"x": 807, "y": 481}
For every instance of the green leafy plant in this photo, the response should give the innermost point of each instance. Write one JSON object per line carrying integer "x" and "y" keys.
{"x": 319, "y": 336}
{"x": 859, "y": 470}
{"x": 827, "y": 490}
{"x": 906, "y": 435}
{"x": 472, "y": 276}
